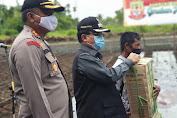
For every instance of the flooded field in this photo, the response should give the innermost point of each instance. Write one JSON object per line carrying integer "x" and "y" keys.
{"x": 165, "y": 72}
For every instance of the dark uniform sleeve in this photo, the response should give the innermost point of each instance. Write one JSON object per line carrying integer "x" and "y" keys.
{"x": 95, "y": 69}
{"x": 28, "y": 65}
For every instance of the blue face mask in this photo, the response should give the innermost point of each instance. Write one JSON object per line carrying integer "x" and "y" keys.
{"x": 99, "y": 42}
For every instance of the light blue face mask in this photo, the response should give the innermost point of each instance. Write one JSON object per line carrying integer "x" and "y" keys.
{"x": 99, "y": 42}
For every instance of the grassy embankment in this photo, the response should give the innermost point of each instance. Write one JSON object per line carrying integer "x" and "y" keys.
{"x": 117, "y": 29}
{"x": 114, "y": 29}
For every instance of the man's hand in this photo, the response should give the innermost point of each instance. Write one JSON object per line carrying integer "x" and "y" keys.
{"x": 134, "y": 57}
{"x": 156, "y": 90}
{"x": 128, "y": 114}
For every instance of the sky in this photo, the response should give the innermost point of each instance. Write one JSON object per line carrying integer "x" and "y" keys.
{"x": 85, "y": 8}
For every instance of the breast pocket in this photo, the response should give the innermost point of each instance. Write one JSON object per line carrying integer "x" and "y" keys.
{"x": 52, "y": 64}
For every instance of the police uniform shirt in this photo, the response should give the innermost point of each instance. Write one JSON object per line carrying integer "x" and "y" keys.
{"x": 38, "y": 81}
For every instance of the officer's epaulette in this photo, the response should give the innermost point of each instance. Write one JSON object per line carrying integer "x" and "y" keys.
{"x": 33, "y": 43}
{"x": 34, "y": 32}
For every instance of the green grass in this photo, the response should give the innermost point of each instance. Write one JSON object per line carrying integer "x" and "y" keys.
{"x": 3, "y": 37}
{"x": 155, "y": 29}
{"x": 146, "y": 29}
{"x": 63, "y": 33}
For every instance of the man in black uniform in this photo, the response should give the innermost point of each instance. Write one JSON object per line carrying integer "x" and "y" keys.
{"x": 94, "y": 83}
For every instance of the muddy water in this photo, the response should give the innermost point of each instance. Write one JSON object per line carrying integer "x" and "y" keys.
{"x": 165, "y": 73}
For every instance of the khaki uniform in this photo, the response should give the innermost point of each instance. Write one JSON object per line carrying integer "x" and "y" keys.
{"x": 39, "y": 84}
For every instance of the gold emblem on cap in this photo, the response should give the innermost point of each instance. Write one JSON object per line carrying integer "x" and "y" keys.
{"x": 44, "y": 3}
{"x": 97, "y": 19}
{"x": 99, "y": 24}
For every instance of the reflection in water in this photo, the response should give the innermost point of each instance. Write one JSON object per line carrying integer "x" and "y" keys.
{"x": 165, "y": 73}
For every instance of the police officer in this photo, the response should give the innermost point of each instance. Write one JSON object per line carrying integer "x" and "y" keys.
{"x": 38, "y": 80}
{"x": 94, "y": 83}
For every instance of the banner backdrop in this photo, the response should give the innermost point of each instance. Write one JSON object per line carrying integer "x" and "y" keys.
{"x": 150, "y": 12}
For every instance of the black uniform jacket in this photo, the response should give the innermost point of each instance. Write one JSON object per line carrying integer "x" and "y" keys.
{"x": 94, "y": 85}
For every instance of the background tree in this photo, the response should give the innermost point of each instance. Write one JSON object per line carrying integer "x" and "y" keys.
{"x": 119, "y": 17}
{"x": 11, "y": 22}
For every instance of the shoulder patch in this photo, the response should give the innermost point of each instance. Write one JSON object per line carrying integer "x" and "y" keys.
{"x": 33, "y": 43}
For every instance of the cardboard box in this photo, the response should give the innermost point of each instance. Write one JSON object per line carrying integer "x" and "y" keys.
{"x": 143, "y": 106}
{"x": 157, "y": 115}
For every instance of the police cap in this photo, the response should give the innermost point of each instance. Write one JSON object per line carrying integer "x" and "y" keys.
{"x": 91, "y": 24}
{"x": 45, "y": 4}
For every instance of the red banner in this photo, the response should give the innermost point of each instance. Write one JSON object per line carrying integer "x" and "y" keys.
{"x": 146, "y": 2}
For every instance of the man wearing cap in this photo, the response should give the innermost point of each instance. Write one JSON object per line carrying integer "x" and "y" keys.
{"x": 94, "y": 83}
{"x": 38, "y": 80}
